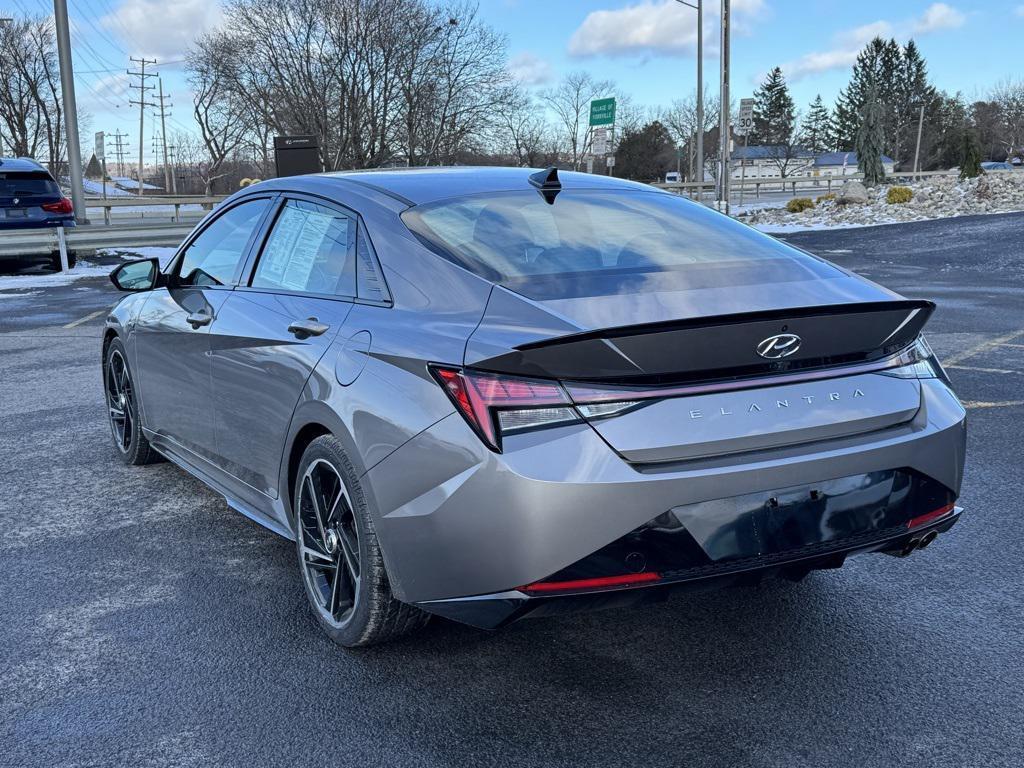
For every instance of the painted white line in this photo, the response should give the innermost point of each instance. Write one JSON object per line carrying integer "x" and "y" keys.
{"x": 980, "y": 370}
{"x": 85, "y": 319}
{"x": 979, "y": 348}
{"x": 982, "y": 404}
{"x": 1015, "y": 346}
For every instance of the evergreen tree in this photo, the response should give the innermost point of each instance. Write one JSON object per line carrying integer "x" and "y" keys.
{"x": 814, "y": 131}
{"x": 911, "y": 91}
{"x": 970, "y": 156}
{"x": 875, "y": 68}
{"x": 870, "y": 138}
{"x": 645, "y": 154}
{"x": 774, "y": 116}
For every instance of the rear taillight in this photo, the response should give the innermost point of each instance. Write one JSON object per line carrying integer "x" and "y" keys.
{"x": 61, "y": 206}
{"x": 496, "y": 405}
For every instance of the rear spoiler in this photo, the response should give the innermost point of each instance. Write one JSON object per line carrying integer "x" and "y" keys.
{"x": 723, "y": 346}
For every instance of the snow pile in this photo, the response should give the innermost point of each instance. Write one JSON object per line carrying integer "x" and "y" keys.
{"x": 935, "y": 197}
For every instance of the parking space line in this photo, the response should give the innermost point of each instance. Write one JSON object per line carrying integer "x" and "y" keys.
{"x": 983, "y": 346}
{"x": 982, "y": 404}
{"x": 1015, "y": 346}
{"x": 85, "y": 319}
{"x": 980, "y": 369}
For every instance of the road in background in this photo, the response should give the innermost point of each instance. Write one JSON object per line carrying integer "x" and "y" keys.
{"x": 144, "y": 623}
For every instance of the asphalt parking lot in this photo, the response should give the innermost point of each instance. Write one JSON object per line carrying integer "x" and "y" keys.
{"x": 143, "y": 623}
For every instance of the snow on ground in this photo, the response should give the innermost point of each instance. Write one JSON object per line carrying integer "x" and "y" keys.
{"x": 146, "y": 252}
{"x": 82, "y": 270}
{"x": 934, "y": 198}
{"x": 93, "y": 187}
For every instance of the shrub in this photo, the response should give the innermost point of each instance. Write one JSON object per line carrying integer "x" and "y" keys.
{"x": 822, "y": 198}
{"x": 799, "y": 204}
{"x": 899, "y": 195}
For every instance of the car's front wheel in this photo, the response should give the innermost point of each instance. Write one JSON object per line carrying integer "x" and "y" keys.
{"x": 339, "y": 558}
{"x": 123, "y": 409}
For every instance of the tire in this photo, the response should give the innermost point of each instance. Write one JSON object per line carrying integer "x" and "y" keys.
{"x": 350, "y": 599}
{"x": 55, "y": 260}
{"x": 123, "y": 409}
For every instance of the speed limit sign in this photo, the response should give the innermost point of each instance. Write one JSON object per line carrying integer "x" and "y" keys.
{"x": 745, "y": 122}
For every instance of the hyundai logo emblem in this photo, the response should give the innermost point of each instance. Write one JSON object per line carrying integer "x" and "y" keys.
{"x": 779, "y": 345}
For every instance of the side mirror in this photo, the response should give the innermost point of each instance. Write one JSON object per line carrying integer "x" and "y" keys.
{"x": 134, "y": 276}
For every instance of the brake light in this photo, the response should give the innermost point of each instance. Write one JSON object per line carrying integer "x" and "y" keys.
{"x": 61, "y": 206}
{"x": 496, "y": 405}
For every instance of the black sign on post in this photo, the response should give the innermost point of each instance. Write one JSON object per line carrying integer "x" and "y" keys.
{"x": 296, "y": 155}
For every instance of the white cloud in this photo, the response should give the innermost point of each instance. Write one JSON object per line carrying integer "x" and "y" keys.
{"x": 653, "y": 26}
{"x": 939, "y": 16}
{"x": 847, "y": 44}
{"x": 160, "y": 29}
{"x": 529, "y": 69}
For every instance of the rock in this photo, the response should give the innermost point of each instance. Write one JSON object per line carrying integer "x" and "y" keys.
{"x": 853, "y": 193}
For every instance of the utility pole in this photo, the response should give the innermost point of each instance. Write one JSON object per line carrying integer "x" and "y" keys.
{"x": 163, "y": 135}
{"x": 67, "y": 88}
{"x": 917, "y": 149}
{"x": 723, "y": 126}
{"x": 142, "y": 103}
{"x": 174, "y": 175}
{"x": 119, "y": 150}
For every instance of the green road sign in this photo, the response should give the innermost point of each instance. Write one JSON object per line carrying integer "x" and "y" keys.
{"x": 602, "y": 112}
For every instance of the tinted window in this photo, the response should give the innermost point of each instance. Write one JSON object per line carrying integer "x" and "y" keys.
{"x": 214, "y": 256}
{"x": 311, "y": 249}
{"x": 28, "y": 185}
{"x": 588, "y": 243}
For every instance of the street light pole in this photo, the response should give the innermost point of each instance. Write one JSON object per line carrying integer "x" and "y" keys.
{"x": 723, "y": 126}
{"x": 917, "y": 149}
{"x": 67, "y": 87}
{"x": 699, "y": 7}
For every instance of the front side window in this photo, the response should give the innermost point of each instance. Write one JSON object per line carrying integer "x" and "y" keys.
{"x": 311, "y": 249}
{"x": 590, "y": 243}
{"x": 213, "y": 257}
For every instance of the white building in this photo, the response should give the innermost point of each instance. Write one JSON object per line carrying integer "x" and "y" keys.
{"x": 770, "y": 162}
{"x": 844, "y": 164}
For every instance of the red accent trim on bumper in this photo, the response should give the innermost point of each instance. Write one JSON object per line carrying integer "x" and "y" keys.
{"x": 597, "y": 583}
{"x": 929, "y": 517}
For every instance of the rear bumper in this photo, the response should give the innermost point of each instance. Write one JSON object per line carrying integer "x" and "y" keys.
{"x": 48, "y": 223}
{"x": 496, "y": 610}
{"x": 456, "y": 520}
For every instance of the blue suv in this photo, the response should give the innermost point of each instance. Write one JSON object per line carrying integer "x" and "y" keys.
{"x": 31, "y": 198}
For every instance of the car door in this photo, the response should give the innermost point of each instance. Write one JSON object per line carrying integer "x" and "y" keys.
{"x": 271, "y": 333}
{"x": 171, "y": 333}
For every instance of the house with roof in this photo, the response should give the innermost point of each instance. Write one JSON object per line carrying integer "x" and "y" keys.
{"x": 770, "y": 162}
{"x": 844, "y": 164}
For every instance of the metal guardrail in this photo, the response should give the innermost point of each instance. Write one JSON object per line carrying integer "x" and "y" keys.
{"x": 108, "y": 204}
{"x": 35, "y": 242}
{"x": 779, "y": 184}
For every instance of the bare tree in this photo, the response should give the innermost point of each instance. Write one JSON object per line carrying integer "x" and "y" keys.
{"x": 31, "y": 115}
{"x": 570, "y": 101}
{"x": 681, "y": 120}
{"x": 522, "y": 131}
{"x": 1009, "y": 97}
{"x": 217, "y": 109}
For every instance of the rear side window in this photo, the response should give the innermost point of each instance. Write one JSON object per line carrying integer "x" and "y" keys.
{"x": 311, "y": 249}
{"x": 28, "y": 185}
{"x": 587, "y": 243}
{"x": 214, "y": 256}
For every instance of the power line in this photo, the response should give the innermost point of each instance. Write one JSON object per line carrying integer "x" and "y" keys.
{"x": 120, "y": 148}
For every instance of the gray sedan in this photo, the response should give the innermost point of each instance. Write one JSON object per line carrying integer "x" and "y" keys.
{"x": 486, "y": 394}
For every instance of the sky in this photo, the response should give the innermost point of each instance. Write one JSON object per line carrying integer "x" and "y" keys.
{"x": 648, "y": 47}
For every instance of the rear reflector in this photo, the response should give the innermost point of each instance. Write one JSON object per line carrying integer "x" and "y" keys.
{"x": 604, "y": 581}
{"x": 929, "y": 517}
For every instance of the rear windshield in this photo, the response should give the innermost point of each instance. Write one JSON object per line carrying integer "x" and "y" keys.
{"x": 589, "y": 243}
{"x": 24, "y": 185}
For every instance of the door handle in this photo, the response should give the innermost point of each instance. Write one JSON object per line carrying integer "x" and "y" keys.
{"x": 196, "y": 319}
{"x": 303, "y": 329}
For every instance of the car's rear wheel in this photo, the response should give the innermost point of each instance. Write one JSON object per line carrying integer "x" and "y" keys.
{"x": 122, "y": 408}
{"x": 339, "y": 558}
